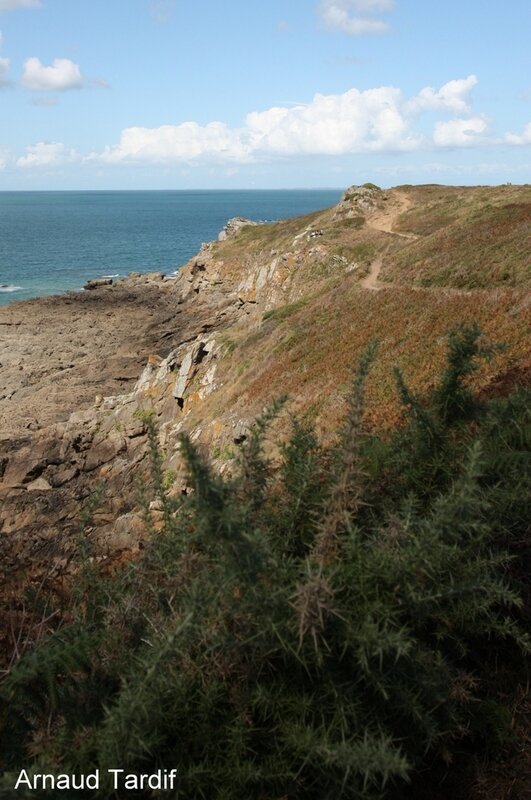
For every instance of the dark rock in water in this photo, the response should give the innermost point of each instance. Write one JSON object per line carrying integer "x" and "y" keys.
{"x": 97, "y": 282}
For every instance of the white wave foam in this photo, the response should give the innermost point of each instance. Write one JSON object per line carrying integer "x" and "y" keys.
{"x": 117, "y": 275}
{"x": 5, "y": 287}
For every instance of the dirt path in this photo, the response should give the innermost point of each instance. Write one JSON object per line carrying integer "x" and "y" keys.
{"x": 371, "y": 280}
{"x": 384, "y": 220}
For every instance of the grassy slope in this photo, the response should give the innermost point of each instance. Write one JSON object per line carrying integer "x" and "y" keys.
{"x": 469, "y": 238}
{"x": 307, "y": 346}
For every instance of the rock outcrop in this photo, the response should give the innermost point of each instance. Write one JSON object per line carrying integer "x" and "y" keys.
{"x": 234, "y": 226}
{"x": 358, "y": 200}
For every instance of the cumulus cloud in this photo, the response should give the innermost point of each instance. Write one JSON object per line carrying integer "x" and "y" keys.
{"x": 10, "y": 5}
{"x": 453, "y": 96}
{"x": 353, "y": 122}
{"x": 45, "y": 154}
{"x": 62, "y": 75}
{"x": 522, "y": 138}
{"x": 350, "y": 16}
{"x": 460, "y": 132}
{"x": 173, "y": 143}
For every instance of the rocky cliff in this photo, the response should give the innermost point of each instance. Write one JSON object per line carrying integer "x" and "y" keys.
{"x": 268, "y": 309}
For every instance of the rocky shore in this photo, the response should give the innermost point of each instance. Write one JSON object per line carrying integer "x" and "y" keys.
{"x": 58, "y": 352}
{"x": 75, "y": 370}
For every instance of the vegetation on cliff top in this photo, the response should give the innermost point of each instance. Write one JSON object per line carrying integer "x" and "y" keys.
{"x": 446, "y": 256}
{"x": 326, "y": 625}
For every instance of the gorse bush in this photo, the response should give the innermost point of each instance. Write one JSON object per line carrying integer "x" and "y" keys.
{"x": 320, "y": 626}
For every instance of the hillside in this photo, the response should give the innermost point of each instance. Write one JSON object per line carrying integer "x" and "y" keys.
{"x": 269, "y": 310}
{"x": 312, "y": 292}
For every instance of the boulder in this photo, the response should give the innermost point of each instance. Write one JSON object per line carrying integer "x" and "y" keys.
{"x": 193, "y": 356}
{"x": 126, "y": 533}
{"x": 97, "y": 283}
{"x": 358, "y": 201}
{"x": 38, "y": 485}
{"x": 103, "y": 451}
{"x": 241, "y": 431}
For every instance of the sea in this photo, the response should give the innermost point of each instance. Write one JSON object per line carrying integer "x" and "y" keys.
{"x": 52, "y": 242}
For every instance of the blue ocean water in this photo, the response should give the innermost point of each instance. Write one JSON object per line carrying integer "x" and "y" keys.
{"x": 54, "y": 241}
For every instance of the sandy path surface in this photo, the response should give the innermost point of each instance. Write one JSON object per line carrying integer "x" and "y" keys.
{"x": 371, "y": 280}
{"x": 384, "y": 220}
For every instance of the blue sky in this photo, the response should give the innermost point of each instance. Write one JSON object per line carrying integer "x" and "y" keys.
{"x": 169, "y": 94}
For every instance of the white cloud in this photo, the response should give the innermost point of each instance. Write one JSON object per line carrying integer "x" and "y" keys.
{"x": 460, "y": 132}
{"x": 453, "y": 96}
{"x": 523, "y": 138}
{"x": 349, "y": 16}
{"x": 353, "y": 122}
{"x": 62, "y": 75}
{"x": 174, "y": 143}
{"x": 45, "y": 154}
{"x": 10, "y": 5}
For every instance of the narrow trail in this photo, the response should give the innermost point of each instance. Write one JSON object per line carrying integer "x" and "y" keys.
{"x": 384, "y": 220}
{"x": 371, "y": 280}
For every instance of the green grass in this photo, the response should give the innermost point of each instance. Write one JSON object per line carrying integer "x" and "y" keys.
{"x": 282, "y": 313}
{"x": 362, "y": 252}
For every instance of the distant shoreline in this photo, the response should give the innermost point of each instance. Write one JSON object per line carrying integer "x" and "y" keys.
{"x": 52, "y": 242}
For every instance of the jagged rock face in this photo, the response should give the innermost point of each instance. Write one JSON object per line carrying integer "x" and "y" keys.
{"x": 48, "y": 470}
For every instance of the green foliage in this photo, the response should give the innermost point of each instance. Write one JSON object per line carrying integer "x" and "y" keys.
{"x": 283, "y": 312}
{"x": 362, "y": 252}
{"x": 318, "y": 627}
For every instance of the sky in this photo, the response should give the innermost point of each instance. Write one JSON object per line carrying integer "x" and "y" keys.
{"x": 174, "y": 94}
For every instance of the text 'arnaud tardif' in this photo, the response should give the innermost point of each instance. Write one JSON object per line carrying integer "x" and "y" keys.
{"x": 118, "y": 778}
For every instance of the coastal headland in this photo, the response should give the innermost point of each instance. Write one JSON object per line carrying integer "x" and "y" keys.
{"x": 269, "y": 309}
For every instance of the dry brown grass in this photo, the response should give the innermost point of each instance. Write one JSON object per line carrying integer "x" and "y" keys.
{"x": 308, "y": 344}
{"x": 489, "y": 247}
{"x": 311, "y": 352}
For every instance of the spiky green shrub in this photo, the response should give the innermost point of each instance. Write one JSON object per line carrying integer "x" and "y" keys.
{"x": 318, "y": 627}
